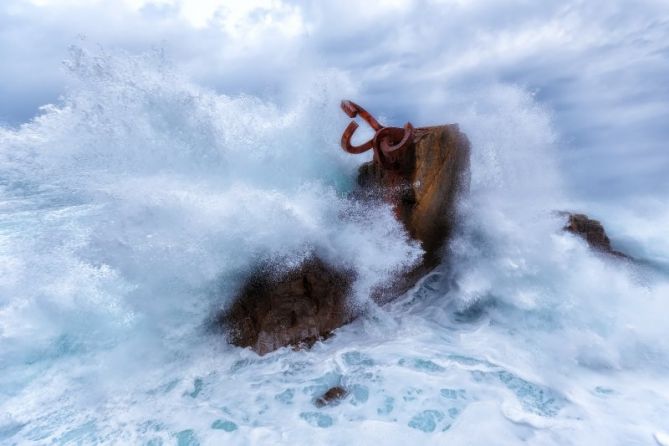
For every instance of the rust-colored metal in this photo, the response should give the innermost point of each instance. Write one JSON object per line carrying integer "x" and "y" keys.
{"x": 388, "y": 143}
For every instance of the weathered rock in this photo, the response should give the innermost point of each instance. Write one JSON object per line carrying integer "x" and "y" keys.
{"x": 423, "y": 194}
{"x": 297, "y": 307}
{"x": 591, "y": 231}
{"x": 332, "y": 396}
{"x": 309, "y": 302}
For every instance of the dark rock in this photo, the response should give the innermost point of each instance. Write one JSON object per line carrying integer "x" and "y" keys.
{"x": 297, "y": 307}
{"x": 332, "y": 396}
{"x": 307, "y": 303}
{"x": 423, "y": 193}
{"x": 591, "y": 231}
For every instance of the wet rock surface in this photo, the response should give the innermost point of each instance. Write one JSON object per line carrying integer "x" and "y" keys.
{"x": 331, "y": 397}
{"x": 296, "y": 308}
{"x": 591, "y": 231}
{"x": 307, "y": 303}
{"x": 423, "y": 193}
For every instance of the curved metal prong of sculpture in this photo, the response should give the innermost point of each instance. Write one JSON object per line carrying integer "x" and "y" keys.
{"x": 393, "y": 140}
{"x": 352, "y": 110}
{"x": 346, "y": 140}
{"x": 388, "y": 142}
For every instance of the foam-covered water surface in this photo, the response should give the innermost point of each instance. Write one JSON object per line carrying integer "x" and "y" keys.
{"x": 131, "y": 210}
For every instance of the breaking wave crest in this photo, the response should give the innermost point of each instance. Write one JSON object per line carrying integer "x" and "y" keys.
{"x": 130, "y": 211}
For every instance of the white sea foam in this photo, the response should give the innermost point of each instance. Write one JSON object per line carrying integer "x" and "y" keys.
{"x": 130, "y": 211}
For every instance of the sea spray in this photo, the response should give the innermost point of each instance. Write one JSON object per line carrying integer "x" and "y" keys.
{"x": 130, "y": 209}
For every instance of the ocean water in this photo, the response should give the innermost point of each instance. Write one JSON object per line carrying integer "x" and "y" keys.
{"x": 130, "y": 211}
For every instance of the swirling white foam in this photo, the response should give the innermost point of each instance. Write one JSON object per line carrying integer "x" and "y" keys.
{"x": 131, "y": 210}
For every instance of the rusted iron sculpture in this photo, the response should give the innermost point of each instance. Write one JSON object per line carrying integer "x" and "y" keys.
{"x": 388, "y": 143}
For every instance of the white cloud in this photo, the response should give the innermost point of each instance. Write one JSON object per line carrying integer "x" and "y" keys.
{"x": 600, "y": 67}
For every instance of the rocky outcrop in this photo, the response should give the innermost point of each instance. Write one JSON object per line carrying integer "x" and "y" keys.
{"x": 302, "y": 305}
{"x": 423, "y": 194}
{"x": 296, "y": 307}
{"x": 592, "y": 232}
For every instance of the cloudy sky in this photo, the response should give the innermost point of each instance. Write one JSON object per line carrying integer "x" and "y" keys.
{"x": 599, "y": 67}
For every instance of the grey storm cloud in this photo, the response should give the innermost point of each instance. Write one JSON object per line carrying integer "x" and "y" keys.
{"x": 599, "y": 67}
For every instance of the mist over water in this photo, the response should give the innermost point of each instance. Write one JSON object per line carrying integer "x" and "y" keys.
{"x": 131, "y": 209}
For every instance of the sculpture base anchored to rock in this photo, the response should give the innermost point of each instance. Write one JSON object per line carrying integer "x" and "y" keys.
{"x": 419, "y": 172}
{"x": 423, "y": 193}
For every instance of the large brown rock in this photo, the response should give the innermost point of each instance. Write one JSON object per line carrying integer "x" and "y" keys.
{"x": 307, "y": 303}
{"x": 423, "y": 193}
{"x": 296, "y": 307}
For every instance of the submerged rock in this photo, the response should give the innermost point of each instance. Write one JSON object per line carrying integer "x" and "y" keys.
{"x": 296, "y": 307}
{"x": 332, "y": 396}
{"x": 307, "y": 303}
{"x": 591, "y": 231}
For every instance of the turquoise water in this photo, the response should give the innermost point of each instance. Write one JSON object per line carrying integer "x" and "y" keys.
{"x": 129, "y": 212}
